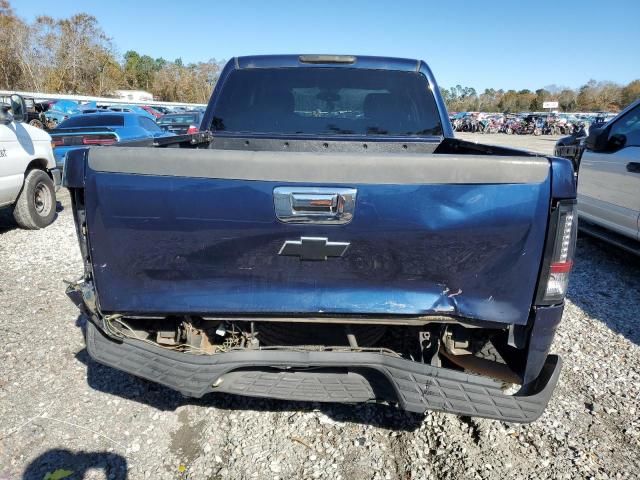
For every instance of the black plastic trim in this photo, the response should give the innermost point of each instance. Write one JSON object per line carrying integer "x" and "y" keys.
{"x": 323, "y": 144}
{"x": 286, "y": 374}
{"x": 315, "y": 167}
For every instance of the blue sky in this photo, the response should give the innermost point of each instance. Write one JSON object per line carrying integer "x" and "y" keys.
{"x": 501, "y": 44}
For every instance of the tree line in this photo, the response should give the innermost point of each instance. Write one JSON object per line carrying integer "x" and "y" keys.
{"x": 592, "y": 97}
{"x": 75, "y": 56}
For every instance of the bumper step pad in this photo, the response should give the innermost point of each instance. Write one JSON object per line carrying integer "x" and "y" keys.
{"x": 345, "y": 377}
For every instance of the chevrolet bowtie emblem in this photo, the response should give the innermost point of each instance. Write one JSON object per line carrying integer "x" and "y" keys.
{"x": 313, "y": 248}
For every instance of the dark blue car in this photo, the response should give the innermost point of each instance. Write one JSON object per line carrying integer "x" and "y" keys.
{"x": 90, "y": 129}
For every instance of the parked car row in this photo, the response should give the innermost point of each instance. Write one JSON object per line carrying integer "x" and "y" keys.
{"x": 32, "y": 159}
{"x": 92, "y": 124}
{"x": 102, "y": 128}
{"x": 526, "y": 123}
{"x": 53, "y": 112}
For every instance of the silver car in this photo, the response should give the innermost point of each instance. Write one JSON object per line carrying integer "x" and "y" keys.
{"x": 609, "y": 180}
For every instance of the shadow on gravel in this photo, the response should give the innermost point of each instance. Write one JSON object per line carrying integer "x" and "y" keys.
{"x": 7, "y": 223}
{"x": 113, "y": 465}
{"x": 605, "y": 284}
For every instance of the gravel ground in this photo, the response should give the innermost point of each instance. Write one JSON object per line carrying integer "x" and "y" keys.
{"x": 60, "y": 410}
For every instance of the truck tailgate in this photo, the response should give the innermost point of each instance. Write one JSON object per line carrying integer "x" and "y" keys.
{"x": 196, "y": 231}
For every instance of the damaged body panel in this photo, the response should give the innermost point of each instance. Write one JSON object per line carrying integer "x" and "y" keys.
{"x": 165, "y": 242}
{"x": 331, "y": 241}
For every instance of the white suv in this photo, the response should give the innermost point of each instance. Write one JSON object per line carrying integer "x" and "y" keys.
{"x": 28, "y": 174}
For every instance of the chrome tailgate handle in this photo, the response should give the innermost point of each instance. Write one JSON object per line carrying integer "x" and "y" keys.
{"x": 326, "y": 206}
{"x": 312, "y": 203}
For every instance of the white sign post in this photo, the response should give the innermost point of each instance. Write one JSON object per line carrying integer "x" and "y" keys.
{"x": 549, "y": 105}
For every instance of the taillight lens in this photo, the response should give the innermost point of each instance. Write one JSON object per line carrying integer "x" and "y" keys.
{"x": 192, "y": 129}
{"x": 563, "y": 250}
{"x": 56, "y": 142}
{"x": 98, "y": 140}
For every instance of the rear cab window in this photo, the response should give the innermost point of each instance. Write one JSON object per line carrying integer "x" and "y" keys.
{"x": 148, "y": 124}
{"x": 327, "y": 102}
{"x": 171, "y": 119}
{"x": 91, "y": 120}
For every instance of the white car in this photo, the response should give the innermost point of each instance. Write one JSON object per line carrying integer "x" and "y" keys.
{"x": 29, "y": 178}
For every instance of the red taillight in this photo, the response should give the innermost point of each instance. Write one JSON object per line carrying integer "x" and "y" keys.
{"x": 57, "y": 142}
{"x": 564, "y": 240}
{"x": 561, "y": 267}
{"x": 192, "y": 129}
{"x": 98, "y": 140}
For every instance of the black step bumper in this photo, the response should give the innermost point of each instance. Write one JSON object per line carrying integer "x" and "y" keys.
{"x": 346, "y": 377}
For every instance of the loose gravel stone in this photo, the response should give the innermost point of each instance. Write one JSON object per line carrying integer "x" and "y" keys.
{"x": 61, "y": 410}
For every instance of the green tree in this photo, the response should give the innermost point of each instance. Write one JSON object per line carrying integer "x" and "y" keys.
{"x": 541, "y": 96}
{"x": 130, "y": 67}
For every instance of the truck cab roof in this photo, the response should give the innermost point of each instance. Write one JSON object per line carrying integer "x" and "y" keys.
{"x": 313, "y": 60}
{"x": 344, "y": 77}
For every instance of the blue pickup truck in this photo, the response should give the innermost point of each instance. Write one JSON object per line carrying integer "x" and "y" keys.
{"x": 330, "y": 241}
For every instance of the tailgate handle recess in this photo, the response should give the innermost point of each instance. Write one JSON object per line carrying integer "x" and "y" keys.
{"x": 314, "y": 205}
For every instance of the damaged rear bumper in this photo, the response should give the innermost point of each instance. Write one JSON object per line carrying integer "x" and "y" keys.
{"x": 329, "y": 376}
